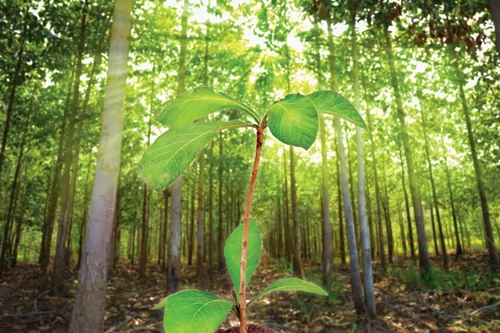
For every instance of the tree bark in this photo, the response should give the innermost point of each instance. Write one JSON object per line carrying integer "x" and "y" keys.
{"x": 364, "y": 232}
{"x": 381, "y": 247}
{"x": 297, "y": 261}
{"x": 433, "y": 188}
{"x": 174, "y": 258}
{"x": 88, "y": 310}
{"x": 459, "y": 249}
{"x": 490, "y": 240}
{"x": 417, "y": 204}
{"x": 220, "y": 235}
{"x": 407, "y": 206}
{"x": 57, "y": 282}
{"x": 12, "y": 96}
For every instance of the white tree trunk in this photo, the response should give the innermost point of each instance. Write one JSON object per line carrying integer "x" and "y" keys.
{"x": 88, "y": 311}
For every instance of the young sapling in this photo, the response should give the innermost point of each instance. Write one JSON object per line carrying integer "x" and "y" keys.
{"x": 292, "y": 120}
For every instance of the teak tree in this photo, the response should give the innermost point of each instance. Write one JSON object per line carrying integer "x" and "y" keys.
{"x": 292, "y": 120}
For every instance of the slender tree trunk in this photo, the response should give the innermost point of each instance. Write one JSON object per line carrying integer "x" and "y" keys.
{"x": 340, "y": 210}
{"x": 88, "y": 310}
{"x": 201, "y": 221}
{"x": 211, "y": 216}
{"x": 288, "y": 237}
{"x": 407, "y": 207}
{"x": 417, "y": 204}
{"x": 364, "y": 232}
{"x": 490, "y": 240}
{"x": 83, "y": 223}
{"x": 174, "y": 258}
{"x": 381, "y": 247}
{"x": 433, "y": 188}
{"x": 166, "y": 194}
{"x": 220, "y": 235}
{"x": 12, "y": 96}
{"x": 387, "y": 214}
{"x": 402, "y": 231}
{"x": 57, "y": 282}
{"x": 297, "y": 261}
{"x": 459, "y": 249}
{"x": 6, "y": 242}
{"x": 52, "y": 206}
{"x": 436, "y": 248}
{"x": 191, "y": 229}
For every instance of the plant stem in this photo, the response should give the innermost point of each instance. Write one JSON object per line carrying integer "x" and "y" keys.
{"x": 246, "y": 223}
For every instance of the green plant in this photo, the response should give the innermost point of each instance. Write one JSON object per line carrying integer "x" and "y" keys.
{"x": 292, "y": 120}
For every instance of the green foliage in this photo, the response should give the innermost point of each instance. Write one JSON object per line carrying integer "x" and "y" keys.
{"x": 330, "y": 102}
{"x": 232, "y": 253}
{"x": 198, "y": 104}
{"x": 193, "y": 311}
{"x": 292, "y": 284}
{"x": 294, "y": 121}
{"x": 173, "y": 151}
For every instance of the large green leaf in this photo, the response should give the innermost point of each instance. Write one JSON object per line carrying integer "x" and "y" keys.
{"x": 173, "y": 151}
{"x": 327, "y": 101}
{"x": 292, "y": 284}
{"x": 198, "y": 104}
{"x": 193, "y": 311}
{"x": 232, "y": 252}
{"x": 294, "y": 121}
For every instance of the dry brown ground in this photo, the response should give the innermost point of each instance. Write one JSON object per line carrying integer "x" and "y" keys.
{"x": 403, "y": 304}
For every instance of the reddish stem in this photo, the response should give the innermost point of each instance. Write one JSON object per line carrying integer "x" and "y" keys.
{"x": 246, "y": 224}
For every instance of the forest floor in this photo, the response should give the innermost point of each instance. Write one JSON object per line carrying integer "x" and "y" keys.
{"x": 404, "y": 302}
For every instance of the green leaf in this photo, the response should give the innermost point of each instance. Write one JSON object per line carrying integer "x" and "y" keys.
{"x": 294, "y": 121}
{"x": 193, "y": 311}
{"x": 330, "y": 102}
{"x": 173, "y": 151}
{"x": 292, "y": 284}
{"x": 198, "y": 104}
{"x": 232, "y": 252}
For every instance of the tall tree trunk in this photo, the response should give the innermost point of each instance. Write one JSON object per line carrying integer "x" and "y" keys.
{"x": 166, "y": 194}
{"x": 174, "y": 250}
{"x": 88, "y": 310}
{"x": 387, "y": 214}
{"x": 378, "y": 199}
{"x": 297, "y": 261}
{"x": 459, "y": 249}
{"x": 220, "y": 234}
{"x": 288, "y": 237}
{"x": 83, "y": 223}
{"x": 356, "y": 285}
{"x": 201, "y": 220}
{"x": 325, "y": 201}
{"x": 12, "y": 96}
{"x": 436, "y": 248}
{"x": 415, "y": 195}
{"x": 407, "y": 206}
{"x": 490, "y": 240}
{"x": 402, "y": 231}
{"x": 364, "y": 232}
{"x": 191, "y": 229}
{"x": 57, "y": 282}
{"x": 6, "y": 242}
{"x": 433, "y": 188}
{"x": 340, "y": 210}
{"x": 143, "y": 261}
{"x": 211, "y": 216}
{"x": 48, "y": 228}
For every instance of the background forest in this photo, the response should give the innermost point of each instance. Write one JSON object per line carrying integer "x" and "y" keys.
{"x": 424, "y": 75}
